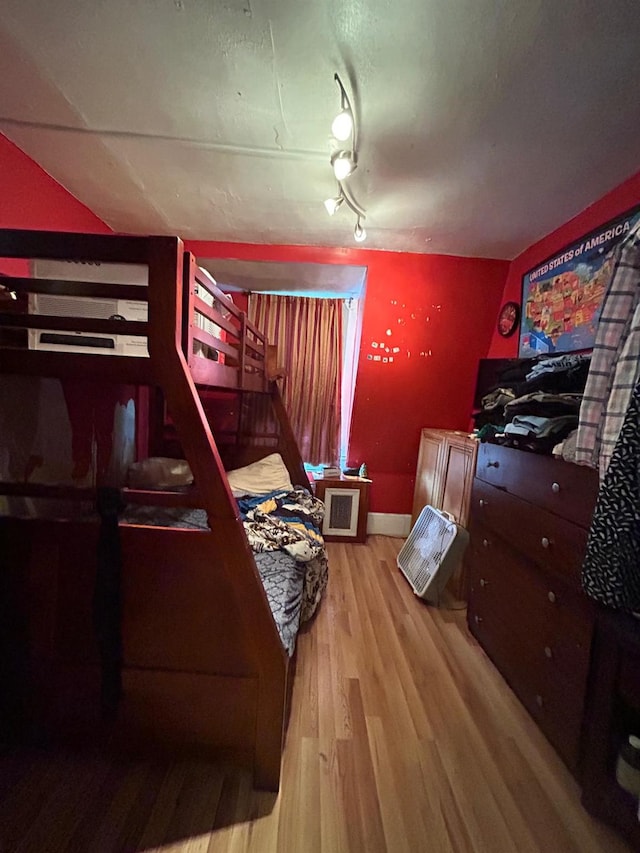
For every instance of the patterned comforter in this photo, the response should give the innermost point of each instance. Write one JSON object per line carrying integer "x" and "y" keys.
{"x": 286, "y": 521}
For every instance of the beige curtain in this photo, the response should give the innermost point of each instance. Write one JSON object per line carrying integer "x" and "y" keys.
{"x": 308, "y": 335}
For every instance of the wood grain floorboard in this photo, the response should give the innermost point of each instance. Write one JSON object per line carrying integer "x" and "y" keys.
{"x": 403, "y": 738}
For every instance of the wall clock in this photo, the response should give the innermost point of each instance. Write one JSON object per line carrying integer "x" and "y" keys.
{"x": 508, "y": 319}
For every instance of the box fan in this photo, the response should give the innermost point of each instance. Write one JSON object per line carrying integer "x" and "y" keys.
{"x": 432, "y": 552}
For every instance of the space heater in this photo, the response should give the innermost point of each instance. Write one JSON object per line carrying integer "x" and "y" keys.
{"x": 432, "y": 552}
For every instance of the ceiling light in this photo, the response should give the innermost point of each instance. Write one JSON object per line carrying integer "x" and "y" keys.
{"x": 359, "y": 234}
{"x": 343, "y": 164}
{"x": 332, "y": 204}
{"x": 342, "y": 126}
{"x": 345, "y": 161}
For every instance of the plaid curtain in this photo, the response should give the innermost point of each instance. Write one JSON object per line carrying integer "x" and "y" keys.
{"x": 308, "y": 336}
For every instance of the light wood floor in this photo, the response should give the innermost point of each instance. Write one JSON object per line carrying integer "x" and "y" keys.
{"x": 403, "y": 737}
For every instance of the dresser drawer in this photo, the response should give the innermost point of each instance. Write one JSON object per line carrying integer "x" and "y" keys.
{"x": 553, "y": 696}
{"x": 551, "y": 619}
{"x": 558, "y": 708}
{"x": 542, "y": 537}
{"x": 560, "y": 487}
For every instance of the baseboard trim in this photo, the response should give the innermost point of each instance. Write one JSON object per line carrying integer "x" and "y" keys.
{"x": 388, "y": 524}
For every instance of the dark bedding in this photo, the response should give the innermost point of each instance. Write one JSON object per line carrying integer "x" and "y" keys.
{"x": 283, "y": 529}
{"x": 283, "y": 580}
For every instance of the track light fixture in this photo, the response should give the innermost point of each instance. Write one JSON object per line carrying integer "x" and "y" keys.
{"x": 343, "y": 125}
{"x": 359, "y": 234}
{"x": 344, "y": 160}
{"x": 344, "y": 164}
{"x": 332, "y": 204}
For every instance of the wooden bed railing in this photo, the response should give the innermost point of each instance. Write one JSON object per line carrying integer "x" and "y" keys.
{"x": 176, "y": 374}
{"x": 223, "y": 349}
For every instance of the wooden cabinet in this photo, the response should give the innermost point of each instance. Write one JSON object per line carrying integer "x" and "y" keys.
{"x": 528, "y": 530}
{"x": 446, "y": 462}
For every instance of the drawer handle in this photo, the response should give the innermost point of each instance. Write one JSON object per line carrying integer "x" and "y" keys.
{"x": 539, "y": 701}
{"x": 478, "y": 619}
{"x": 548, "y": 652}
{"x": 545, "y": 542}
{"x": 493, "y": 464}
{"x": 486, "y": 543}
{"x": 551, "y": 596}
{"x": 483, "y": 582}
{"x": 482, "y": 502}
{"x": 555, "y": 487}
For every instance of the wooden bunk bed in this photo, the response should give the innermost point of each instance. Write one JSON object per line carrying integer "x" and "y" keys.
{"x": 135, "y": 634}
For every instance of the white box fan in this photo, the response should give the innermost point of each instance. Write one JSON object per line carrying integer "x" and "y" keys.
{"x": 432, "y": 552}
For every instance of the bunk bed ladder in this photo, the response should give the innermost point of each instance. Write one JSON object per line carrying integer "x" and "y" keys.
{"x": 172, "y": 375}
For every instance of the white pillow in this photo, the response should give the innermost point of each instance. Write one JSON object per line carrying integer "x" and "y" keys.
{"x": 158, "y": 472}
{"x": 259, "y": 478}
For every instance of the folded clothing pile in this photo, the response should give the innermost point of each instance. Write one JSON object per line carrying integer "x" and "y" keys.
{"x": 537, "y": 403}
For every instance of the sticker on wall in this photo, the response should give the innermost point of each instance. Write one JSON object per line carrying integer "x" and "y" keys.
{"x": 406, "y": 330}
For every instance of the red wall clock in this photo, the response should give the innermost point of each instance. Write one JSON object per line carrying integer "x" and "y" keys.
{"x": 508, "y": 319}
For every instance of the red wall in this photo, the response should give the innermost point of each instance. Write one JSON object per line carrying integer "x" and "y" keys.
{"x": 32, "y": 199}
{"x": 623, "y": 197}
{"x": 440, "y": 311}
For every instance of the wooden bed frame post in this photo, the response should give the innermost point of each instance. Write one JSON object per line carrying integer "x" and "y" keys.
{"x": 242, "y": 351}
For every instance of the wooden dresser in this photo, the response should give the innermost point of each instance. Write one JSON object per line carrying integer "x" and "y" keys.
{"x": 529, "y": 521}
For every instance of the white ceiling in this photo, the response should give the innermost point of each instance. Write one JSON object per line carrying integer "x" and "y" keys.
{"x": 484, "y": 124}
{"x": 318, "y": 280}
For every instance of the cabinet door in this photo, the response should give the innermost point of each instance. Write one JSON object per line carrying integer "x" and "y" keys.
{"x": 458, "y": 462}
{"x": 429, "y": 473}
{"x": 458, "y": 459}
